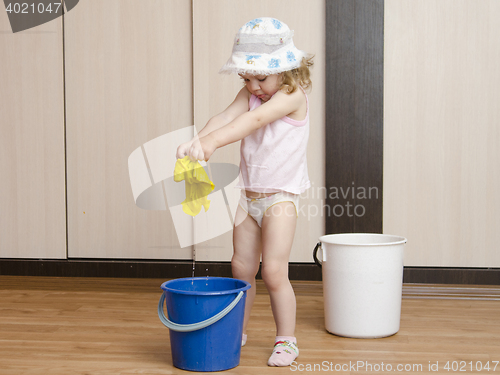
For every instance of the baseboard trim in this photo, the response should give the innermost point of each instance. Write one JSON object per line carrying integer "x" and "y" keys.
{"x": 133, "y": 268}
{"x": 452, "y": 275}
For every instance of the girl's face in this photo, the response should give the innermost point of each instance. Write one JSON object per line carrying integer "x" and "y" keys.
{"x": 263, "y": 87}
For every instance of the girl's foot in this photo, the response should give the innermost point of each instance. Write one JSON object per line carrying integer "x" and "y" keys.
{"x": 243, "y": 340}
{"x": 285, "y": 351}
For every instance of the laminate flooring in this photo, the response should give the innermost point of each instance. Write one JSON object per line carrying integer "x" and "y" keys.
{"x": 69, "y": 326}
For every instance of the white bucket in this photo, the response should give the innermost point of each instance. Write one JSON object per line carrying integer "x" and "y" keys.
{"x": 362, "y": 283}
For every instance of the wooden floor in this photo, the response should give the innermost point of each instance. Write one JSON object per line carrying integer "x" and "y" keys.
{"x": 55, "y": 326}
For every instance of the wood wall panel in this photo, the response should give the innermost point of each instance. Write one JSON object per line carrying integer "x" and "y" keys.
{"x": 32, "y": 166}
{"x": 442, "y": 139}
{"x": 128, "y": 81}
{"x": 354, "y": 124}
{"x": 215, "y": 25}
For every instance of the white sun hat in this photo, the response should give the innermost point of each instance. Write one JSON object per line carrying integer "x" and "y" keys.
{"x": 263, "y": 46}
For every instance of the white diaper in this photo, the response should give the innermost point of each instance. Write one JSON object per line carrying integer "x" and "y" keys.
{"x": 257, "y": 207}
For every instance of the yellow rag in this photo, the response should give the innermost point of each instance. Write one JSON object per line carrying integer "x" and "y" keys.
{"x": 197, "y": 184}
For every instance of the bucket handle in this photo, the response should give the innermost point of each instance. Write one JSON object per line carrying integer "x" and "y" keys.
{"x": 194, "y": 326}
{"x": 315, "y": 254}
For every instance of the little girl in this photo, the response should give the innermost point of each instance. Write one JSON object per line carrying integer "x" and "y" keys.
{"x": 270, "y": 114}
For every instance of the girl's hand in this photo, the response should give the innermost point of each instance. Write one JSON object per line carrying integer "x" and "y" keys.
{"x": 203, "y": 148}
{"x": 183, "y": 150}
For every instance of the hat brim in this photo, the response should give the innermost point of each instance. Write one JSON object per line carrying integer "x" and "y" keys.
{"x": 263, "y": 64}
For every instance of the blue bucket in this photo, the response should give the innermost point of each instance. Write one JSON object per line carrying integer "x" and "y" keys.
{"x": 205, "y": 318}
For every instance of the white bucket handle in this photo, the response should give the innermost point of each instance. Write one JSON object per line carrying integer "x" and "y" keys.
{"x": 194, "y": 326}
{"x": 315, "y": 254}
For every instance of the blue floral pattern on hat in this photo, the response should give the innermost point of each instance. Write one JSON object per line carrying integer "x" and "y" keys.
{"x": 290, "y": 56}
{"x": 250, "y": 59}
{"x": 276, "y": 23}
{"x": 254, "y": 23}
{"x": 274, "y": 63}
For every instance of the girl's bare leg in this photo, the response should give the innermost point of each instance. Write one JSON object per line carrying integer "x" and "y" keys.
{"x": 246, "y": 257}
{"x": 278, "y": 230}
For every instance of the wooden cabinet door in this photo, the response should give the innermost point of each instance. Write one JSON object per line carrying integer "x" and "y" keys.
{"x": 128, "y": 81}
{"x": 32, "y": 166}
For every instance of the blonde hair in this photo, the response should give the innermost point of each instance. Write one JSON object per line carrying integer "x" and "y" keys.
{"x": 291, "y": 79}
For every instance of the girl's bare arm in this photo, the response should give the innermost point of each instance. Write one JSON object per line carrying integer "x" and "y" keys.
{"x": 279, "y": 105}
{"x": 236, "y": 108}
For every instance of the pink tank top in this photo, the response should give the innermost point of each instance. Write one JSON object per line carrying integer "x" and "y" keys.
{"x": 274, "y": 157}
